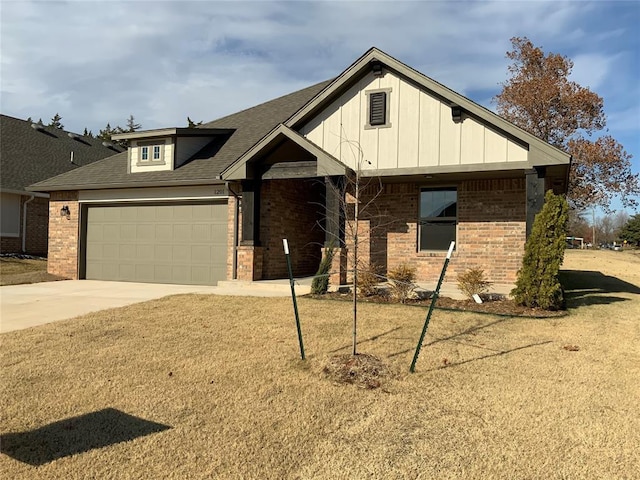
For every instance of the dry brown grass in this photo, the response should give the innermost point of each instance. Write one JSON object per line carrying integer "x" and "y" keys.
{"x": 493, "y": 397}
{"x": 14, "y": 271}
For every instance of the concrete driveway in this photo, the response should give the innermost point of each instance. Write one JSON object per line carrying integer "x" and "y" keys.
{"x": 23, "y": 306}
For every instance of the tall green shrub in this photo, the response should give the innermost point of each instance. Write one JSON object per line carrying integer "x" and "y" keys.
{"x": 320, "y": 283}
{"x": 538, "y": 284}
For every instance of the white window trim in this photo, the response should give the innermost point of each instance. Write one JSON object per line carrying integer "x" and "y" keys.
{"x": 387, "y": 119}
{"x": 151, "y": 145}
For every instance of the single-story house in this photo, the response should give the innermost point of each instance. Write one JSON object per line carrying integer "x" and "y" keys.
{"x": 29, "y": 153}
{"x": 200, "y": 205}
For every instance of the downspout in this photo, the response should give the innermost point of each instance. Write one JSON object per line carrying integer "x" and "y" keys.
{"x": 24, "y": 224}
{"x": 236, "y": 214}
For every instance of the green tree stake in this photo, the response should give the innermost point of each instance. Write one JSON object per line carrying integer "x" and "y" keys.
{"x": 285, "y": 243}
{"x": 412, "y": 369}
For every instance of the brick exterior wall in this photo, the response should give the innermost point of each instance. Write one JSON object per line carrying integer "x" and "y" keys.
{"x": 291, "y": 209}
{"x": 64, "y": 235}
{"x": 250, "y": 262}
{"x": 490, "y": 233}
{"x": 37, "y": 228}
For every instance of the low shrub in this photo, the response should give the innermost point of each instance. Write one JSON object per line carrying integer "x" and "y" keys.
{"x": 368, "y": 279}
{"x": 401, "y": 282}
{"x": 472, "y": 282}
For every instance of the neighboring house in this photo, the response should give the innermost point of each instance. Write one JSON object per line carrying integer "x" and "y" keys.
{"x": 30, "y": 153}
{"x": 199, "y": 205}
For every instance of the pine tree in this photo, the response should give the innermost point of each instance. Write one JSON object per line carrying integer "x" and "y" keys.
{"x": 132, "y": 126}
{"x": 87, "y": 133}
{"x": 538, "y": 284}
{"x": 106, "y": 133}
{"x": 192, "y": 124}
{"x": 55, "y": 122}
{"x": 631, "y": 231}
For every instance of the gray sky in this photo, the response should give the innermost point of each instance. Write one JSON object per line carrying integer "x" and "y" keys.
{"x": 95, "y": 62}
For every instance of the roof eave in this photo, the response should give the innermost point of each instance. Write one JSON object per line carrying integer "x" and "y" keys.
{"x": 168, "y": 132}
{"x": 327, "y": 164}
{"x": 143, "y": 184}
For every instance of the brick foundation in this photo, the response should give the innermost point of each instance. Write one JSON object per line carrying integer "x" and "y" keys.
{"x": 64, "y": 235}
{"x": 250, "y": 261}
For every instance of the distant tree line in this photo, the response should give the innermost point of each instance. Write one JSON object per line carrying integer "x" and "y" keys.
{"x": 105, "y": 134}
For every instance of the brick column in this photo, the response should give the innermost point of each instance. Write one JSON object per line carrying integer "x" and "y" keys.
{"x": 64, "y": 232}
{"x": 338, "y": 267}
{"x": 249, "y": 263}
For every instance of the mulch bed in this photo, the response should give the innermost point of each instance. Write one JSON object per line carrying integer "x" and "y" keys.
{"x": 492, "y": 304}
{"x": 363, "y": 370}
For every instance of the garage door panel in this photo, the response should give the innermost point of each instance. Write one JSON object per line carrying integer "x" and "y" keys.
{"x": 111, "y": 215}
{"x": 111, "y": 230}
{"x": 202, "y": 253}
{"x": 201, "y": 232}
{"x": 157, "y": 243}
{"x": 182, "y": 233}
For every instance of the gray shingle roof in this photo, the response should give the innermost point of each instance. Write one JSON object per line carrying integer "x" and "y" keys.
{"x": 28, "y": 155}
{"x": 249, "y": 126}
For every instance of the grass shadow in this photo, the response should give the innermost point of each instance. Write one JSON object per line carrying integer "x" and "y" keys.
{"x": 587, "y": 287}
{"x": 491, "y": 355}
{"x": 455, "y": 335}
{"x": 370, "y": 339}
{"x": 76, "y": 435}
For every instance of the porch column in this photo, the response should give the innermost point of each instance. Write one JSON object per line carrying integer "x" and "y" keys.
{"x": 250, "y": 213}
{"x": 334, "y": 212}
{"x": 535, "y": 183}
{"x": 334, "y": 229}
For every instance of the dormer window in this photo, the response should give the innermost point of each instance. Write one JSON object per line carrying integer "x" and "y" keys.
{"x": 151, "y": 152}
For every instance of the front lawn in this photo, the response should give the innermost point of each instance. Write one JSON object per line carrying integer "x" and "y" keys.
{"x": 17, "y": 269}
{"x": 212, "y": 387}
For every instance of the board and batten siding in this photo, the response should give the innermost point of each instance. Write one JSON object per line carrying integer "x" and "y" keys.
{"x": 421, "y": 131}
{"x": 137, "y": 166}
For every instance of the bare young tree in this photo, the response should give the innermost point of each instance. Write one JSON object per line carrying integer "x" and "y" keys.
{"x": 360, "y": 219}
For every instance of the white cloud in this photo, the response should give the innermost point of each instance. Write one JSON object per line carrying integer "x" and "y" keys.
{"x": 96, "y": 61}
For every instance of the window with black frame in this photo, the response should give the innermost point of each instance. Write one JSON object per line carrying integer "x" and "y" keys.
{"x": 438, "y": 218}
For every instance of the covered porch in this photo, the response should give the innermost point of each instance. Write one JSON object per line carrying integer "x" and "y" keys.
{"x": 285, "y": 187}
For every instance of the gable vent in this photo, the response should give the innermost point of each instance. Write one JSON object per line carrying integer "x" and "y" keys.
{"x": 378, "y": 108}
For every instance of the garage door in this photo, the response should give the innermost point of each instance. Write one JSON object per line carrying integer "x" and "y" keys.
{"x": 170, "y": 243}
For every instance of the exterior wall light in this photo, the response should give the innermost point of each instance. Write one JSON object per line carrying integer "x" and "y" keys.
{"x": 376, "y": 68}
{"x": 456, "y": 113}
{"x": 65, "y": 212}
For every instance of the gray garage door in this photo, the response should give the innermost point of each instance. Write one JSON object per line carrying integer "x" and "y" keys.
{"x": 183, "y": 244}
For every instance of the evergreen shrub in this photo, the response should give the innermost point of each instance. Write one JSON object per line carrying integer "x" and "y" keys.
{"x": 320, "y": 283}
{"x": 472, "y": 282}
{"x": 537, "y": 285}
